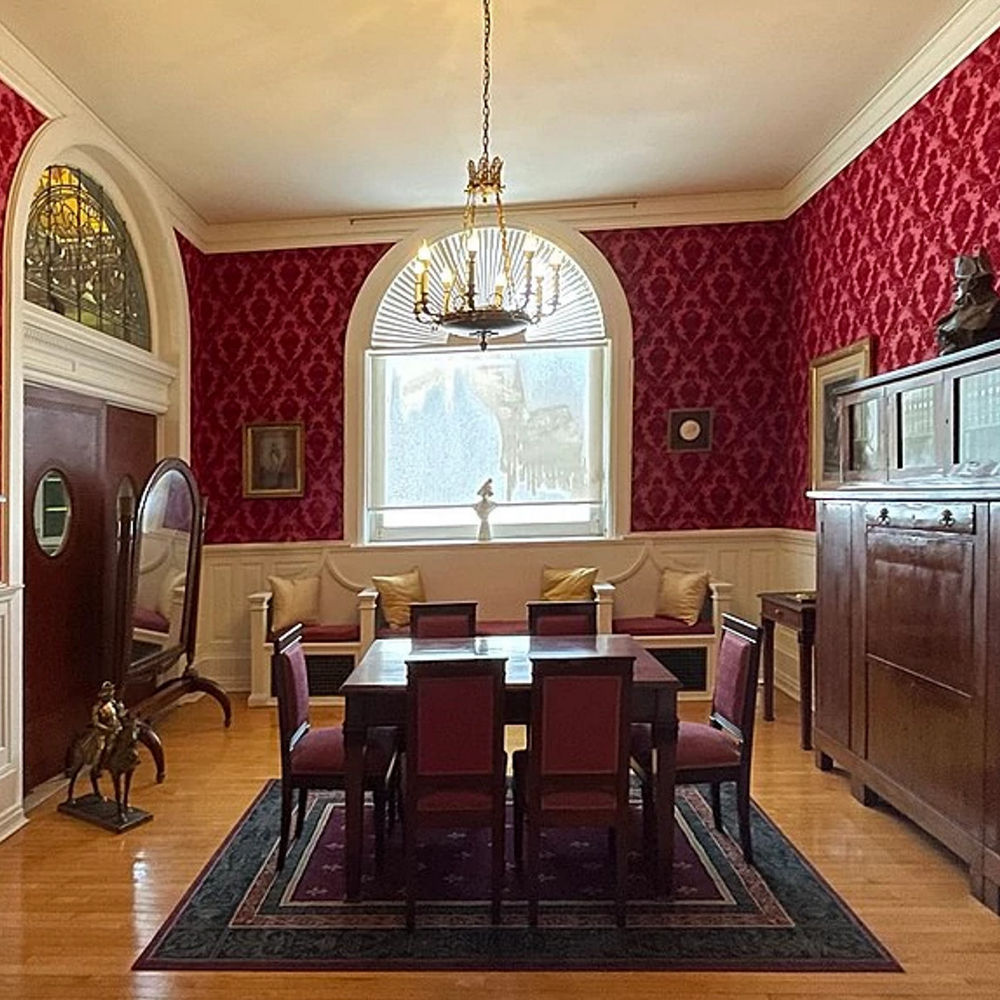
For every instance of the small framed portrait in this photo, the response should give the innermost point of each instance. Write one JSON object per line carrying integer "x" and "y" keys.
{"x": 273, "y": 460}
{"x": 689, "y": 430}
{"x": 827, "y": 374}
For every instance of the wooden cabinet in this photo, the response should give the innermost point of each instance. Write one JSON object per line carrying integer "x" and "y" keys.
{"x": 908, "y": 602}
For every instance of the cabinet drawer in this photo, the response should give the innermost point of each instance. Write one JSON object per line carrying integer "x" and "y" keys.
{"x": 957, "y": 518}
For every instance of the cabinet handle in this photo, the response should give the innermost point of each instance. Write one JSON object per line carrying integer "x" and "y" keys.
{"x": 947, "y": 518}
{"x": 883, "y": 516}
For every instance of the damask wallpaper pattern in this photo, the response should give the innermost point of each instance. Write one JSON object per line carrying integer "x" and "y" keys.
{"x": 871, "y": 253}
{"x": 267, "y": 345}
{"x": 18, "y": 122}
{"x": 708, "y": 308}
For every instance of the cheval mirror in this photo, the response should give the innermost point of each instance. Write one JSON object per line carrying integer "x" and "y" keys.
{"x": 157, "y": 586}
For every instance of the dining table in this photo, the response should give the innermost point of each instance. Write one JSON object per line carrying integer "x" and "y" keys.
{"x": 375, "y": 695}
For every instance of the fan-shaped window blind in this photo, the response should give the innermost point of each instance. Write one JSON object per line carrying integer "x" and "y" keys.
{"x": 530, "y": 413}
{"x": 79, "y": 260}
{"x": 578, "y": 318}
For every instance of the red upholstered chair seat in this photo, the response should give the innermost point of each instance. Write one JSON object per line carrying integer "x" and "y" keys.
{"x": 321, "y": 750}
{"x": 571, "y": 801}
{"x": 658, "y": 625}
{"x": 149, "y": 618}
{"x": 698, "y": 745}
{"x": 392, "y": 632}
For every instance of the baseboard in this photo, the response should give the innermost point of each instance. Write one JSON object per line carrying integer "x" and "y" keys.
{"x": 11, "y": 820}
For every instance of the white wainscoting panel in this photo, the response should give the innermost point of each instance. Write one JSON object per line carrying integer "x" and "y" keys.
{"x": 11, "y": 696}
{"x": 501, "y": 575}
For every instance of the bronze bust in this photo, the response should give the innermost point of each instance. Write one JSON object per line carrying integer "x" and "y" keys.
{"x": 975, "y": 318}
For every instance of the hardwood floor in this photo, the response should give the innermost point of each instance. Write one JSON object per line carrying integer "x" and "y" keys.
{"x": 78, "y": 904}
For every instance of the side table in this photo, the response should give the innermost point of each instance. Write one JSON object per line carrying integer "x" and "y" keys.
{"x": 795, "y": 610}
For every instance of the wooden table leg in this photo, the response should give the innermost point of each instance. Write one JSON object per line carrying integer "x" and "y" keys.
{"x": 768, "y": 665}
{"x": 665, "y": 735}
{"x": 805, "y": 690}
{"x": 354, "y": 795}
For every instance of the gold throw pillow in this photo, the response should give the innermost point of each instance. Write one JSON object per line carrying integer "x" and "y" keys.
{"x": 681, "y": 595}
{"x": 397, "y": 593}
{"x": 574, "y": 584}
{"x": 293, "y": 601}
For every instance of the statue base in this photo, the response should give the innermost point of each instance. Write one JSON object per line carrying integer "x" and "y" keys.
{"x": 104, "y": 812}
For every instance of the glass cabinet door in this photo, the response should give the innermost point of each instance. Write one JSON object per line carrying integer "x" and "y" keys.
{"x": 917, "y": 438}
{"x": 865, "y": 456}
{"x": 977, "y": 423}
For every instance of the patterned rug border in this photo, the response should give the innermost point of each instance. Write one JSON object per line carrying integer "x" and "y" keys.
{"x": 147, "y": 960}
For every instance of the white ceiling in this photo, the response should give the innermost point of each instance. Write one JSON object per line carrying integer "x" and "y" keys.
{"x": 257, "y": 110}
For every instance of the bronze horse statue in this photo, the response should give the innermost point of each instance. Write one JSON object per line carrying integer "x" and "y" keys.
{"x": 108, "y": 744}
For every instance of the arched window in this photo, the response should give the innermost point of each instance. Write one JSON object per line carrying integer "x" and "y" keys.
{"x": 531, "y": 413}
{"x": 79, "y": 260}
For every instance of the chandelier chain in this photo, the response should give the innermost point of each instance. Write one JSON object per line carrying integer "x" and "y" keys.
{"x": 487, "y": 25}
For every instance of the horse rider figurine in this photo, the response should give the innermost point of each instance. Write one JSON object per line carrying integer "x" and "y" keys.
{"x": 108, "y": 744}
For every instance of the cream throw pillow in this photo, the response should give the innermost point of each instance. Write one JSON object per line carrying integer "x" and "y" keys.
{"x": 396, "y": 593}
{"x": 293, "y": 601}
{"x": 681, "y": 595}
{"x": 568, "y": 584}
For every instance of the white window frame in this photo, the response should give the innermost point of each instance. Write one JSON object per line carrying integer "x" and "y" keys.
{"x": 618, "y": 328}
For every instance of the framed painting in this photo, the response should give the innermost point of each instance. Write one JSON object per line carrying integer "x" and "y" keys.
{"x": 273, "y": 460}
{"x": 827, "y": 374}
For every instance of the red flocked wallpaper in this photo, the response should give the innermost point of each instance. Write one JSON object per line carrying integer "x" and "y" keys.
{"x": 18, "y": 121}
{"x": 709, "y": 329}
{"x": 871, "y": 253}
{"x": 267, "y": 345}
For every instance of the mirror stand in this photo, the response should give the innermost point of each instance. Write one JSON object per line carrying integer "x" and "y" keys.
{"x": 156, "y": 599}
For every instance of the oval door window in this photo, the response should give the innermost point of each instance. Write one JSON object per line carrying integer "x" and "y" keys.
{"x": 52, "y": 512}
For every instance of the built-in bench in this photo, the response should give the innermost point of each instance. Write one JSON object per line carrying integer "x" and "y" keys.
{"x": 349, "y": 620}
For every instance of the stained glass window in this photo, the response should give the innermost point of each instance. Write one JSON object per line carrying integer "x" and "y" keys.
{"x": 79, "y": 260}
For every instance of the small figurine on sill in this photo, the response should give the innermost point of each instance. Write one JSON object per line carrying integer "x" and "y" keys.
{"x": 484, "y": 507}
{"x": 975, "y": 318}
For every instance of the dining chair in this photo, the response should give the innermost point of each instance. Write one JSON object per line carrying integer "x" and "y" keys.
{"x": 575, "y": 771}
{"x": 313, "y": 757}
{"x": 443, "y": 619}
{"x": 721, "y": 749}
{"x": 562, "y": 617}
{"x": 456, "y": 768}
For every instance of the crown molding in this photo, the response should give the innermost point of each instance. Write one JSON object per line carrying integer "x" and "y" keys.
{"x": 967, "y": 29}
{"x": 971, "y": 25}
{"x": 634, "y": 213}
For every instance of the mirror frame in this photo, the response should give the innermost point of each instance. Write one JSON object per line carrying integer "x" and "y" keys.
{"x": 130, "y": 520}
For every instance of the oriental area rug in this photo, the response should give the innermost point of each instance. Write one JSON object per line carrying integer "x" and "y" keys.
{"x": 241, "y": 913}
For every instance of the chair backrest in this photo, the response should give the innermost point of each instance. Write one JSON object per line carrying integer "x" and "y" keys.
{"x": 578, "y": 740}
{"x": 562, "y": 617}
{"x": 290, "y": 682}
{"x": 734, "y": 698}
{"x": 454, "y": 738}
{"x": 443, "y": 619}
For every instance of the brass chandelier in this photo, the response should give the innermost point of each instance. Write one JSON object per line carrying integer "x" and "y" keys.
{"x": 461, "y": 308}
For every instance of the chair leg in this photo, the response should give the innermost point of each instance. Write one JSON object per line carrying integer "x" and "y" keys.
{"x": 612, "y": 842}
{"x": 286, "y": 822}
{"x": 301, "y": 815}
{"x": 498, "y": 864}
{"x": 410, "y": 863}
{"x": 716, "y": 804}
{"x": 743, "y": 813}
{"x": 621, "y": 875}
{"x": 648, "y": 817}
{"x": 379, "y": 800}
{"x": 518, "y": 830}
{"x": 532, "y": 873}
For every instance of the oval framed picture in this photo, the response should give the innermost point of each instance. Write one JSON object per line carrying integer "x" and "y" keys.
{"x": 689, "y": 430}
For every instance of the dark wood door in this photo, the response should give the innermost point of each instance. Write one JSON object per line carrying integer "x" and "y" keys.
{"x": 64, "y": 604}
{"x": 69, "y": 608}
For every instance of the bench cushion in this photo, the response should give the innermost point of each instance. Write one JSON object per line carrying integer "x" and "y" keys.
{"x": 329, "y": 633}
{"x": 482, "y": 628}
{"x": 658, "y": 625}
